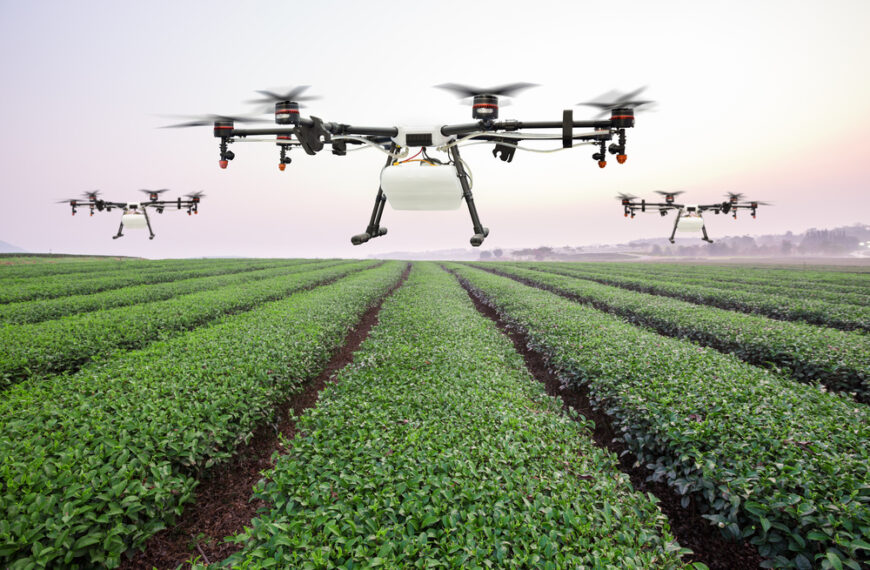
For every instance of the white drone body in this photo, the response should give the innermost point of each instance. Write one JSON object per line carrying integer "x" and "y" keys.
{"x": 133, "y": 217}
{"x": 690, "y": 220}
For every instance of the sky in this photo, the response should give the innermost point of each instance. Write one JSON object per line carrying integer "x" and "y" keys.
{"x": 768, "y": 98}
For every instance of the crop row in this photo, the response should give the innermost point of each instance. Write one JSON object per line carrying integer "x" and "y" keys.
{"x": 783, "y": 307}
{"x": 838, "y": 359}
{"x": 436, "y": 448}
{"x": 48, "y": 309}
{"x": 847, "y": 277}
{"x": 63, "y": 285}
{"x": 73, "y": 266}
{"x": 779, "y": 463}
{"x": 809, "y": 290}
{"x": 66, "y": 344}
{"x": 95, "y": 463}
{"x": 852, "y": 295}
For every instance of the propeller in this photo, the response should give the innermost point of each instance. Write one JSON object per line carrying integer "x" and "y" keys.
{"x": 611, "y": 100}
{"x": 464, "y": 91}
{"x": 154, "y": 193}
{"x": 195, "y": 195}
{"x": 292, "y": 94}
{"x": 734, "y": 196}
{"x": 209, "y": 120}
{"x": 92, "y": 195}
{"x": 666, "y": 194}
{"x": 622, "y": 196}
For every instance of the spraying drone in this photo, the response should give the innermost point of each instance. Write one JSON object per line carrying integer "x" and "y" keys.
{"x": 421, "y": 181}
{"x": 135, "y": 214}
{"x": 688, "y": 216}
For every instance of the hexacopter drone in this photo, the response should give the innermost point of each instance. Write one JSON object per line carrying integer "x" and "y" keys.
{"x": 421, "y": 181}
{"x": 688, "y": 216}
{"x": 135, "y": 214}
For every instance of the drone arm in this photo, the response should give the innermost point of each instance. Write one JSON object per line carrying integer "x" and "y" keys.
{"x": 467, "y": 128}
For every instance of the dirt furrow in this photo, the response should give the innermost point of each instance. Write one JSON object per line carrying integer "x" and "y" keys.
{"x": 224, "y": 503}
{"x": 687, "y": 524}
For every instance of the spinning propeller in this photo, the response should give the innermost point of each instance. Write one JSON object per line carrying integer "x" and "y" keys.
{"x": 286, "y": 104}
{"x": 614, "y": 100}
{"x": 485, "y": 100}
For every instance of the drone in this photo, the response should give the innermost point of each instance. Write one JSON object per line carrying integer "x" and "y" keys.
{"x": 689, "y": 217}
{"x": 421, "y": 181}
{"x": 135, "y": 214}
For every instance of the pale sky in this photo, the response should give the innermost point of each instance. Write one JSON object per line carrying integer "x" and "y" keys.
{"x": 768, "y": 98}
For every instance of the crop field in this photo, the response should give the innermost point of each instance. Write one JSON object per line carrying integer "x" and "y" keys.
{"x": 432, "y": 415}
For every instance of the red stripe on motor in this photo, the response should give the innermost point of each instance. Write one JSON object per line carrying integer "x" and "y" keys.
{"x": 223, "y": 127}
{"x": 476, "y": 105}
{"x": 282, "y": 111}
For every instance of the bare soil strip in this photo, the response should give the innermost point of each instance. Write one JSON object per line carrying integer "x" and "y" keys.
{"x": 691, "y": 529}
{"x": 224, "y": 503}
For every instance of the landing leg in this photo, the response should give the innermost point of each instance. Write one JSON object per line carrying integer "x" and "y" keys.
{"x": 704, "y": 231}
{"x": 148, "y": 221}
{"x": 480, "y": 232}
{"x": 676, "y": 222}
{"x": 374, "y": 228}
{"x": 120, "y": 231}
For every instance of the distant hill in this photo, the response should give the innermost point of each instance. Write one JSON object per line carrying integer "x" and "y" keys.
{"x": 9, "y": 248}
{"x": 852, "y": 242}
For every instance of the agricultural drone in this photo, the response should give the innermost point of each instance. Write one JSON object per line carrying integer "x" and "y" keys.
{"x": 422, "y": 181}
{"x": 688, "y": 216}
{"x": 135, "y": 214}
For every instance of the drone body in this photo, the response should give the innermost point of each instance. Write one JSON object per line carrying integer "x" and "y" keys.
{"x": 424, "y": 182}
{"x": 689, "y": 216}
{"x": 135, "y": 214}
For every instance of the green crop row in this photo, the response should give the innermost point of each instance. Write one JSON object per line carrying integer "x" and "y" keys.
{"x": 853, "y": 276}
{"x": 73, "y": 266}
{"x": 838, "y": 359}
{"x": 64, "y": 285}
{"x": 770, "y": 285}
{"x": 49, "y": 309}
{"x": 66, "y": 344}
{"x": 783, "y": 307}
{"x": 778, "y": 463}
{"x": 437, "y": 449}
{"x": 95, "y": 463}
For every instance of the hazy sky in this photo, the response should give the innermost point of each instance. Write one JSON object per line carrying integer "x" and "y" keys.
{"x": 768, "y": 98}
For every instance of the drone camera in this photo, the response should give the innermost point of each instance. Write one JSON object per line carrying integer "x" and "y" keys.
{"x": 485, "y": 107}
{"x": 287, "y": 113}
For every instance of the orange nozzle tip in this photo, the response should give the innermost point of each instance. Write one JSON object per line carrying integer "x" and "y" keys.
{"x": 223, "y": 163}
{"x": 626, "y": 215}
{"x": 602, "y": 163}
{"x": 282, "y": 166}
{"x": 621, "y": 158}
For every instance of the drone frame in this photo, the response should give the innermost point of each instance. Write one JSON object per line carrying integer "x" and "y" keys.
{"x": 732, "y": 205}
{"x": 312, "y": 134}
{"x": 93, "y": 202}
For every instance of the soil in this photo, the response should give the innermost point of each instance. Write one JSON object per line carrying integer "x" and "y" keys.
{"x": 224, "y": 502}
{"x": 688, "y": 526}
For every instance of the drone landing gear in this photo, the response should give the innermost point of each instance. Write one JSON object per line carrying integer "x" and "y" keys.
{"x": 480, "y": 232}
{"x": 705, "y": 238}
{"x": 374, "y": 228}
{"x": 148, "y": 222}
{"x": 120, "y": 231}
{"x": 676, "y": 223}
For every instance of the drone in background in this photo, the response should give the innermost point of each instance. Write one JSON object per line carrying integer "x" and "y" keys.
{"x": 135, "y": 214}
{"x": 689, "y": 217}
{"x": 422, "y": 181}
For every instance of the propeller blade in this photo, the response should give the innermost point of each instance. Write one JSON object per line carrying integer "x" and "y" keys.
{"x": 506, "y": 90}
{"x": 209, "y": 120}
{"x": 623, "y": 196}
{"x": 663, "y": 193}
{"x": 161, "y": 191}
{"x": 613, "y": 99}
{"x": 292, "y": 94}
{"x": 198, "y": 194}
